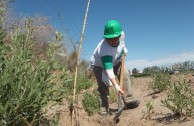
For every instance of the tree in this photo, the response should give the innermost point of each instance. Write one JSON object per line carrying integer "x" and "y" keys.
{"x": 135, "y": 71}
{"x": 147, "y": 70}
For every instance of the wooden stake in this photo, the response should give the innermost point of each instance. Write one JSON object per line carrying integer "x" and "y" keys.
{"x": 78, "y": 58}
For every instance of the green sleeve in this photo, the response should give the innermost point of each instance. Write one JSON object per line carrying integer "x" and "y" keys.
{"x": 107, "y": 62}
{"x": 121, "y": 54}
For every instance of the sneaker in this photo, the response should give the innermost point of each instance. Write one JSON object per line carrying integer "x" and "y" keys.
{"x": 132, "y": 104}
{"x": 103, "y": 111}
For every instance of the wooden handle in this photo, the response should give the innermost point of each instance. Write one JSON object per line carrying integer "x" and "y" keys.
{"x": 122, "y": 72}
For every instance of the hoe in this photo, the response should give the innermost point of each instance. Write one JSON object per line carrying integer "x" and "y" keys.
{"x": 130, "y": 105}
{"x": 120, "y": 95}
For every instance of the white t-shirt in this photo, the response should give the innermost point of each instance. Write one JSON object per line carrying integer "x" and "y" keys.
{"x": 104, "y": 50}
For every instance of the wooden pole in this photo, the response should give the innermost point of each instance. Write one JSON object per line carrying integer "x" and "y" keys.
{"x": 78, "y": 58}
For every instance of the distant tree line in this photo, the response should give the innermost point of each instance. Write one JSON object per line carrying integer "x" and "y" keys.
{"x": 180, "y": 67}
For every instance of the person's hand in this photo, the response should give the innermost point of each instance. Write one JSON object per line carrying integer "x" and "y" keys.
{"x": 118, "y": 89}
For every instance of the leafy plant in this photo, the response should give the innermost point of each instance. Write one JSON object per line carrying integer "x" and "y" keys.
{"x": 83, "y": 82}
{"x": 180, "y": 98}
{"x": 27, "y": 81}
{"x": 161, "y": 81}
{"x": 150, "y": 108}
{"x": 91, "y": 103}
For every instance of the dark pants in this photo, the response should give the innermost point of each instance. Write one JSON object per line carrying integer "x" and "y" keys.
{"x": 104, "y": 90}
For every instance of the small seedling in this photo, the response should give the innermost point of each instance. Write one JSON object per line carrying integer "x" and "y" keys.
{"x": 150, "y": 108}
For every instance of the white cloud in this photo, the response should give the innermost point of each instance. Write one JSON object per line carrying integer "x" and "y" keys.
{"x": 141, "y": 64}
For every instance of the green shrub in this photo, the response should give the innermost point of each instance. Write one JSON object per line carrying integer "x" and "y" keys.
{"x": 180, "y": 98}
{"x": 141, "y": 75}
{"x": 161, "y": 81}
{"x": 27, "y": 81}
{"x": 83, "y": 82}
{"x": 91, "y": 103}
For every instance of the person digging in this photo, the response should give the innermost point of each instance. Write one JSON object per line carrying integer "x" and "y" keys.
{"x": 106, "y": 62}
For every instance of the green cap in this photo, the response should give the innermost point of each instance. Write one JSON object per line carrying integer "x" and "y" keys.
{"x": 112, "y": 29}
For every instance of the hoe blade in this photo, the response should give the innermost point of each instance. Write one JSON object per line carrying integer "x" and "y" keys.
{"x": 116, "y": 118}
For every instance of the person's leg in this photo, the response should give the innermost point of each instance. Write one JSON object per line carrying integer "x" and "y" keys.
{"x": 128, "y": 92}
{"x": 102, "y": 89}
{"x": 127, "y": 85}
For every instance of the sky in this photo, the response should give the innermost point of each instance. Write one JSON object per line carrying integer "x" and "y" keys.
{"x": 158, "y": 32}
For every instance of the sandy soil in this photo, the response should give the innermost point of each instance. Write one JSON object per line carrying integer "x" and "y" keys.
{"x": 160, "y": 116}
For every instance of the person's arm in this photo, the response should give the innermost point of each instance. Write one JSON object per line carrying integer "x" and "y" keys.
{"x": 108, "y": 66}
{"x": 113, "y": 80}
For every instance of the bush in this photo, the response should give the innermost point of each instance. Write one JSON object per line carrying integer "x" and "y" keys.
{"x": 180, "y": 98}
{"x": 161, "y": 81}
{"x": 83, "y": 82}
{"x": 28, "y": 82}
{"x": 141, "y": 75}
{"x": 91, "y": 103}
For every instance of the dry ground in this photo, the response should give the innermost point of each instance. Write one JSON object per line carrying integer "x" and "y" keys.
{"x": 161, "y": 116}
